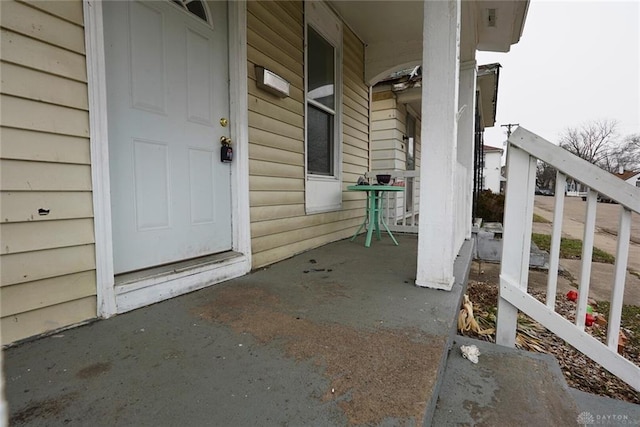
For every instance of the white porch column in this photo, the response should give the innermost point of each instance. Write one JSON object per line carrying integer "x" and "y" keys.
{"x": 441, "y": 67}
{"x": 466, "y": 137}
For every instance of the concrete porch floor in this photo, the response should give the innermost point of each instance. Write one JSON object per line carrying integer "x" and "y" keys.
{"x": 339, "y": 335}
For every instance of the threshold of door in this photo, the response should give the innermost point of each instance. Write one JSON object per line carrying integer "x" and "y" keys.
{"x": 173, "y": 268}
{"x": 140, "y": 288}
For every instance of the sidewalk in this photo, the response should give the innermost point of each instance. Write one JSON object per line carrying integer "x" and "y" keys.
{"x": 604, "y": 240}
{"x": 601, "y": 282}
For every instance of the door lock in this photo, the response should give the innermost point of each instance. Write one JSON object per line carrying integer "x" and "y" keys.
{"x": 226, "y": 152}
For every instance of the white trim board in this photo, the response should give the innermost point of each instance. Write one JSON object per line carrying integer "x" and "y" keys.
{"x": 154, "y": 289}
{"x": 100, "y": 180}
{"x": 147, "y": 292}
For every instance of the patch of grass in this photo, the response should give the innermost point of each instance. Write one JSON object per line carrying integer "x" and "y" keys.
{"x": 539, "y": 218}
{"x": 571, "y": 248}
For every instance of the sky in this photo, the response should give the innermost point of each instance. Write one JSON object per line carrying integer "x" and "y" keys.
{"x": 577, "y": 61}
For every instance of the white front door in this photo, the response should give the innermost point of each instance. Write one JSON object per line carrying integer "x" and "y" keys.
{"x": 167, "y": 89}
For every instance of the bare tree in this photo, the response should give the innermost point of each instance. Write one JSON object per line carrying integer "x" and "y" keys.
{"x": 594, "y": 141}
{"x": 627, "y": 155}
{"x": 545, "y": 175}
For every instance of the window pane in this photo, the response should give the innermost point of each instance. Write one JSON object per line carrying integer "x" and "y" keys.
{"x": 197, "y": 8}
{"x": 411, "y": 147}
{"x": 321, "y": 79}
{"x": 319, "y": 141}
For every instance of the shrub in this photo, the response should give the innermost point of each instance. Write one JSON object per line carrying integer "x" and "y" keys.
{"x": 490, "y": 206}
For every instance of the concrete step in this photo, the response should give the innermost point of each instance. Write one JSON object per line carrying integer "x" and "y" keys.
{"x": 604, "y": 410}
{"x": 510, "y": 387}
{"x": 507, "y": 387}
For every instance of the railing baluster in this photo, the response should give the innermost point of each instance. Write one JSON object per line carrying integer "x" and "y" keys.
{"x": 513, "y": 295}
{"x": 587, "y": 254}
{"x": 617, "y": 294}
{"x": 516, "y": 242}
{"x": 556, "y": 236}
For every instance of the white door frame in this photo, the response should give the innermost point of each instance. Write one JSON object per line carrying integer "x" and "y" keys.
{"x": 148, "y": 291}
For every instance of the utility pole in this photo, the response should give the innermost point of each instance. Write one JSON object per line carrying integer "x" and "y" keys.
{"x": 506, "y": 144}
{"x": 509, "y": 126}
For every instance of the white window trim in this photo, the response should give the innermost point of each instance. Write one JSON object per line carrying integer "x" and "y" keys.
{"x": 323, "y": 193}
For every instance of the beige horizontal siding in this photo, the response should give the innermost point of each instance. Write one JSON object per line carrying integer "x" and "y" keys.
{"x": 41, "y": 176}
{"x": 272, "y": 183}
{"x": 276, "y": 198}
{"x": 27, "y": 114}
{"x": 293, "y": 8}
{"x": 27, "y": 20}
{"x": 67, "y": 10}
{"x": 22, "y": 144}
{"x": 267, "y": 168}
{"x": 291, "y": 103}
{"x": 40, "y": 86}
{"x": 267, "y": 228}
{"x": 276, "y": 32}
{"x": 30, "y": 53}
{"x": 37, "y": 235}
{"x": 279, "y": 225}
{"x": 292, "y": 237}
{"x": 26, "y": 324}
{"x": 261, "y": 152}
{"x": 283, "y": 252}
{"x": 378, "y": 125}
{"x": 43, "y": 293}
{"x": 271, "y": 139}
{"x": 259, "y": 121}
{"x": 354, "y": 105}
{"x": 21, "y": 206}
{"x": 274, "y": 111}
{"x": 27, "y": 266}
{"x": 47, "y": 257}
{"x": 268, "y": 213}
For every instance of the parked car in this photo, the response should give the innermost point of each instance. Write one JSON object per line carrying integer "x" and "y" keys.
{"x": 543, "y": 192}
{"x": 600, "y": 199}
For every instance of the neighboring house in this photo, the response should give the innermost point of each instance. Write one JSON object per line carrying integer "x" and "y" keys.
{"x": 114, "y": 115}
{"x": 492, "y": 162}
{"x": 396, "y": 144}
{"x": 631, "y": 177}
{"x": 575, "y": 188}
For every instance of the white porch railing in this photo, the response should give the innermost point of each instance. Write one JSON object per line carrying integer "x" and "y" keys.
{"x": 523, "y": 151}
{"x": 400, "y": 209}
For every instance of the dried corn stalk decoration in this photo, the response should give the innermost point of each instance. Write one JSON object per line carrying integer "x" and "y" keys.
{"x": 466, "y": 321}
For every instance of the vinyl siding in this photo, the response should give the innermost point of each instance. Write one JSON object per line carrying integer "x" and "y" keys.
{"x": 47, "y": 261}
{"x": 388, "y": 149}
{"x": 280, "y": 227}
{"x": 388, "y": 126}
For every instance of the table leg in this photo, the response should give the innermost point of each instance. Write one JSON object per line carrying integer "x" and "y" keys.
{"x": 380, "y": 218}
{"x": 389, "y": 231}
{"x": 359, "y": 228}
{"x": 371, "y": 214}
{"x": 378, "y": 202}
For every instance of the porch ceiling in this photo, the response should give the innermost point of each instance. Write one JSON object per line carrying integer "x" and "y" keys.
{"x": 392, "y": 30}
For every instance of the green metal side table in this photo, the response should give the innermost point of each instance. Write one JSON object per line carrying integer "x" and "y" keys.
{"x": 374, "y": 207}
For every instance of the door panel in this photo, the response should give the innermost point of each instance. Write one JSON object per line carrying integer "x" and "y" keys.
{"x": 167, "y": 88}
{"x": 151, "y": 178}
